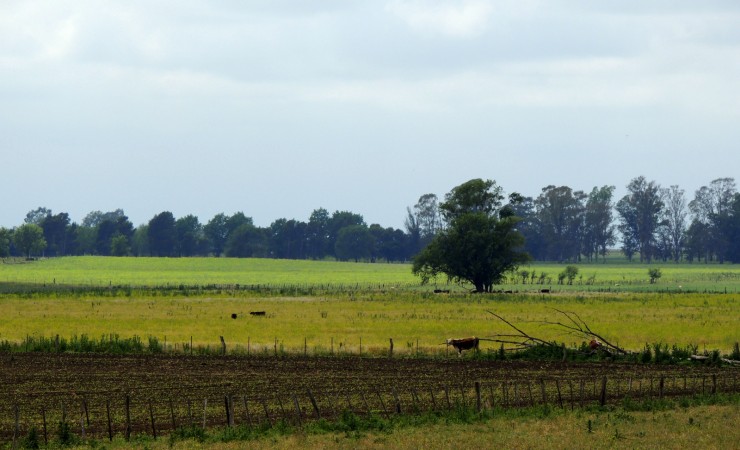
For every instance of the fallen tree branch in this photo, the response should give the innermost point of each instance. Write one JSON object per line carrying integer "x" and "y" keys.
{"x": 580, "y": 327}
{"x": 522, "y": 339}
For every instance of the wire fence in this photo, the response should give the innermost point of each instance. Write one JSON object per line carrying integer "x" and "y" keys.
{"x": 54, "y": 416}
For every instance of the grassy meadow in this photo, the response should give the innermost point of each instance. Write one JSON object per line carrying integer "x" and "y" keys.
{"x": 154, "y": 272}
{"x": 616, "y": 275}
{"x": 683, "y": 308}
{"x": 346, "y": 322}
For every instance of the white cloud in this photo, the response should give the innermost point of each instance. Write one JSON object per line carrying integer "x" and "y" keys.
{"x": 460, "y": 19}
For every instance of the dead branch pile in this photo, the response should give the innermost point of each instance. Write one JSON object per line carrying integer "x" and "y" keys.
{"x": 522, "y": 340}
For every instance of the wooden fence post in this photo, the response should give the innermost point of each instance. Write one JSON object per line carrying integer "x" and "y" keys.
{"x": 505, "y": 393}
{"x": 87, "y": 413}
{"x": 544, "y": 392}
{"x": 493, "y": 397}
{"x": 16, "y": 428}
{"x": 128, "y": 417}
{"x": 390, "y": 351}
{"x": 246, "y": 411}
{"x": 397, "y": 400}
{"x": 364, "y": 402}
{"x": 190, "y": 414}
{"x": 714, "y": 383}
{"x": 110, "y": 425}
{"x": 570, "y": 387}
{"x": 477, "y": 396}
{"x": 43, "y": 418}
{"x": 382, "y": 403}
{"x": 172, "y": 415}
{"x": 349, "y": 402}
{"x": 314, "y": 404}
{"x": 297, "y": 410}
{"x": 560, "y": 396}
{"x": 602, "y": 398}
{"x": 228, "y": 410}
{"x": 267, "y": 411}
{"x": 151, "y": 416}
{"x": 223, "y": 346}
{"x": 205, "y": 409}
{"x": 661, "y": 384}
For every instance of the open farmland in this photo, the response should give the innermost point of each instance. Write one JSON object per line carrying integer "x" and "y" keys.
{"x": 342, "y": 323}
{"x": 310, "y": 339}
{"x": 91, "y": 271}
{"x": 162, "y": 392}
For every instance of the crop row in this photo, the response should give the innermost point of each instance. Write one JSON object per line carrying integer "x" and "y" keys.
{"x": 99, "y": 394}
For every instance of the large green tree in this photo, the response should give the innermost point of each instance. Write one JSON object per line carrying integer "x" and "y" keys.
{"x": 29, "y": 239}
{"x": 354, "y": 242}
{"x": 712, "y": 206}
{"x": 162, "y": 233}
{"x": 5, "y": 236}
{"x": 190, "y": 236}
{"x": 639, "y": 213}
{"x": 480, "y": 242}
{"x": 560, "y": 212}
{"x": 599, "y": 230}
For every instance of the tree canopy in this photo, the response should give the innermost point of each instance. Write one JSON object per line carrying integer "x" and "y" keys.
{"x": 479, "y": 244}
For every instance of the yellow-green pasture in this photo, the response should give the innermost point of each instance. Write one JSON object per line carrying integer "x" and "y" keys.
{"x": 710, "y": 321}
{"x": 102, "y": 271}
{"x": 154, "y": 272}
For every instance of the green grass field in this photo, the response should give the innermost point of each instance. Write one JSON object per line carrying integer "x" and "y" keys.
{"x": 631, "y": 320}
{"x": 104, "y": 271}
{"x": 388, "y": 304}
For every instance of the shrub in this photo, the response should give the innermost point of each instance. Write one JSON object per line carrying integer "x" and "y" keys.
{"x": 64, "y": 434}
{"x": 645, "y": 354}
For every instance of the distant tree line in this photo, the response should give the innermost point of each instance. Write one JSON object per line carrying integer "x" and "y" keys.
{"x": 342, "y": 235}
{"x": 650, "y": 223}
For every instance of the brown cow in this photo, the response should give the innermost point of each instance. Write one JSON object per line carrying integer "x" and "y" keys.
{"x": 460, "y": 344}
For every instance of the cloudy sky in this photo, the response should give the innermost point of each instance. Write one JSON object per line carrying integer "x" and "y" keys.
{"x": 276, "y": 108}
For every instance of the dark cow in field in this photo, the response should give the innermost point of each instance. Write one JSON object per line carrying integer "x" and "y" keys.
{"x": 468, "y": 343}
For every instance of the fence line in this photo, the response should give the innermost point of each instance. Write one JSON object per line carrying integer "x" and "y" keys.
{"x": 159, "y": 412}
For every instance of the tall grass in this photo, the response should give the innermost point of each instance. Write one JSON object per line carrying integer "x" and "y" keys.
{"x": 339, "y": 324}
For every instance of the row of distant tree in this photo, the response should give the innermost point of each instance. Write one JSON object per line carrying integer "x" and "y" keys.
{"x": 649, "y": 223}
{"x": 342, "y": 235}
{"x": 560, "y": 224}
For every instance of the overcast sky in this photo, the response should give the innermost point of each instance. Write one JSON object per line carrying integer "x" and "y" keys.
{"x": 276, "y": 108}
